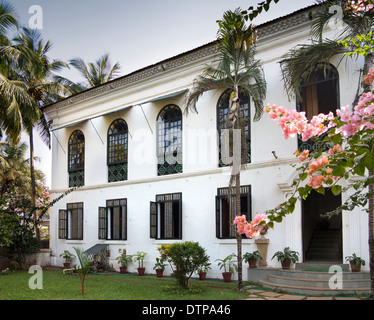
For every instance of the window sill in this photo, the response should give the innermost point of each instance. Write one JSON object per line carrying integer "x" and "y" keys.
{"x": 233, "y": 241}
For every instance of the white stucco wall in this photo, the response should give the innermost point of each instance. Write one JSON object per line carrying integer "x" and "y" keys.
{"x": 201, "y": 176}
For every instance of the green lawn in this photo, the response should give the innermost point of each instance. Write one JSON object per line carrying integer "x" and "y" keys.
{"x": 57, "y": 286}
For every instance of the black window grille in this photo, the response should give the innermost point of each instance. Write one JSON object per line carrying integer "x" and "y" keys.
{"x": 70, "y": 224}
{"x": 166, "y": 216}
{"x": 169, "y": 140}
{"x": 117, "y": 151}
{"x": 76, "y": 159}
{"x": 319, "y": 94}
{"x": 113, "y": 220}
{"x": 222, "y": 113}
{"x": 226, "y": 210}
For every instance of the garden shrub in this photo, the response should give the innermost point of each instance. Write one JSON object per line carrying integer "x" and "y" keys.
{"x": 186, "y": 257}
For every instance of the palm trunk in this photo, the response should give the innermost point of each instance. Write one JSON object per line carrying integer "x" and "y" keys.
{"x": 371, "y": 240}
{"x": 239, "y": 236}
{"x": 33, "y": 184}
{"x": 237, "y": 198}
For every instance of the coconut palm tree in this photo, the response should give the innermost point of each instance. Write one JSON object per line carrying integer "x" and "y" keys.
{"x": 27, "y": 85}
{"x": 234, "y": 67}
{"x": 96, "y": 73}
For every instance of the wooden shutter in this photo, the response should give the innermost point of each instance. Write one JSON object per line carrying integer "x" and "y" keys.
{"x": 218, "y": 217}
{"x": 153, "y": 220}
{"x": 103, "y": 223}
{"x": 124, "y": 222}
{"x": 62, "y": 224}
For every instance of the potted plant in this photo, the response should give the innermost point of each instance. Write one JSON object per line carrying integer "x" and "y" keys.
{"x": 286, "y": 257}
{"x": 68, "y": 258}
{"x": 355, "y": 262}
{"x": 159, "y": 267}
{"x": 203, "y": 270}
{"x": 251, "y": 258}
{"x": 123, "y": 260}
{"x": 228, "y": 265}
{"x": 139, "y": 256}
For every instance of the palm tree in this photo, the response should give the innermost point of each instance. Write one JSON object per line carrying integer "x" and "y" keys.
{"x": 27, "y": 86}
{"x": 234, "y": 67}
{"x": 96, "y": 73}
{"x": 300, "y": 62}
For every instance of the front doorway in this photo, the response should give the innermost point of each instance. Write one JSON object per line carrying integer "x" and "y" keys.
{"x": 322, "y": 237}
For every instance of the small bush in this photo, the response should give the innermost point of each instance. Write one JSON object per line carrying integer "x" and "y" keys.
{"x": 186, "y": 257}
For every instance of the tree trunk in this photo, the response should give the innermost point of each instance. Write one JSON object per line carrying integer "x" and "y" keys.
{"x": 237, "y": 194}
{"x": 367, "y": 67}
{"x": 371, "y": 241}
{"x": 33, "y": 187}
{"x": 239, "y": 236}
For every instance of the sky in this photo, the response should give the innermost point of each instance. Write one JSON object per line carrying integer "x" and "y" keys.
{"x": 134, "y": 33}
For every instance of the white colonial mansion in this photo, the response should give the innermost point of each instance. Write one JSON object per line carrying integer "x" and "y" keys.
{"x": 114, "y": 142}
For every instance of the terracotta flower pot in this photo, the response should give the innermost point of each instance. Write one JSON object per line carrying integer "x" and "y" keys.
{"x": 286, "y": 263}
{"x": 226, "y": 276}
{"x": 159, "y": 273}
{"x": 202, "y": 275}
{"x": 141, "y": 271}
{"x": 252, "y": 263}
{"x": 66, "y": 265}
{"x": 122, "y": 269}
{"x": 354, "y": 267}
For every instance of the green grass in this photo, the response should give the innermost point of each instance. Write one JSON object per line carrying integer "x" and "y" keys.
{"x": 57, "y": 286}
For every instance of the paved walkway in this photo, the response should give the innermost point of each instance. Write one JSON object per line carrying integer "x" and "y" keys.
{"x": 259, "y": 294}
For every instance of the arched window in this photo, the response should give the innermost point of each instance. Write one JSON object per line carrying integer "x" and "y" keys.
{"x": 169, "y": 140}
{"x": 319, "y": 94}
{"x": 117, "y": 151}
{"x": 76, "y": 159}
{"x": 222, "y": 111}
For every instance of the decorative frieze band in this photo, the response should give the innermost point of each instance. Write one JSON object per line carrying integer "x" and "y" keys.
{"x": 180, "y": 60}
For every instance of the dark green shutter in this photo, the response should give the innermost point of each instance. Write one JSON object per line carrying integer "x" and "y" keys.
{"x": 62, "y": 224}
{"x": 153, "y": 220}
{"x": 103, "y": 223}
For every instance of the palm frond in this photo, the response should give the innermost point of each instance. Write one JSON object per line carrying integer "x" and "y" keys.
{"x": 8, "y": 17}
{"x": 299, "y": 63}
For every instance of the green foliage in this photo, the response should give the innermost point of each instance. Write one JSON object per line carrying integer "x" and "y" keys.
{"x": 187, "y": 257}
{"x": 252, "y": 13}
{"x": 85, "y": 264}
{"x": 67, "y": 256}
{"x": 139, "y": 256}
{"x": 361, "y": 44}
{"x": 17, "y": 235}
{"x": 357, "y": 260}
{"x": 159, "y": 264}
{"x": 253, "y": 255}
{"x": 286, "y": 254}
{"x": 227, "y": 264}
{"x": 124, "y": 259}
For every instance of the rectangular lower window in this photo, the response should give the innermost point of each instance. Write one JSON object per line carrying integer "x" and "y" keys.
{"x": 166, "y": 216}
{"x": 71, "y": 222}
{"x": 113, "y": 220}
{"x": 226, "y": 210}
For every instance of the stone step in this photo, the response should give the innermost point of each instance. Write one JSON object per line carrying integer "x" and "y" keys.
{"x": 311, "y": 290}
{"x": 320, "y": 283}
{"x": 314, "y": 274}
{"x": 321, "y": 265}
